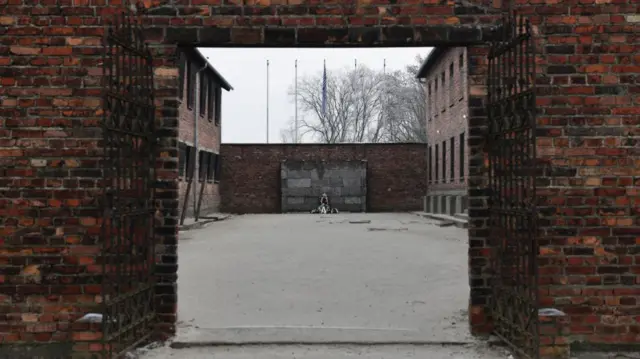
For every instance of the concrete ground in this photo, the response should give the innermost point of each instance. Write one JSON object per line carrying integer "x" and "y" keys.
{"x": 339, "y": 286}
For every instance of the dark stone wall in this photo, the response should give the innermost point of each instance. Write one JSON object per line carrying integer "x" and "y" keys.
{"x": 250, "y": 178}
{"x": 303, "y": 182}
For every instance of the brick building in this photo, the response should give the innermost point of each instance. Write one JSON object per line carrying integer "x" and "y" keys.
{"x": 200, "y": 129}
{"x": 444, "y": 73}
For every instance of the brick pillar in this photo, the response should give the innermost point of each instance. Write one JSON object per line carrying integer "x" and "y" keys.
{"x": 167, "y": 198}
{"x": 479, "y": 251}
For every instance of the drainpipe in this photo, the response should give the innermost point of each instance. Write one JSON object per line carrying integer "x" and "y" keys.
{"x": 196, "y": 119}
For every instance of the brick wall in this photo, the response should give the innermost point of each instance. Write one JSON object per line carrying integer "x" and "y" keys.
{"x": 209, "y": 133}
{"x": 448, "y": 109}
{"x": 447, "y": 117}
{"x": 588, "y": 146}
{"x": 588, "y": 122}
{"x": 251, "y": 174}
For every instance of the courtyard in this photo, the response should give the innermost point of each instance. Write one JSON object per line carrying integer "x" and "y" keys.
{"x": 345, "y": 285}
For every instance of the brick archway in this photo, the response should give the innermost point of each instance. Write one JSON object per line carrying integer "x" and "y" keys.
{"x": 333, "y": 24}
{"x": 49, "y": 144}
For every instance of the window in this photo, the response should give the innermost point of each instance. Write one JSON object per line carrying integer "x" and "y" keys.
{"x": 210, "y": 166}
{"x": 182, "y": 158}
{"x": 182, "y": 63}
{"x": 429, "y": 101}
{"x": 217, "y": 165}
{"x": 451, "y": 84}
{"x": 185, "y": 160}
{"x": 444, "y": 161}
{"x": 452, "y": 159}
{"x": 203, "y": 93}
{"x": 218, "y": 101}
{"x": 202, "y": 165}
{"x": 461, "y": 74}
{"x": 462, "y": 147}
{"x": 437, "y": 157}
{"x": 442, "y": 98}
{"x": 210, "y": 99}
{"x": 435, "y": 97}
{"x": 430, "y": 167}
{"x": 191, "y": 81}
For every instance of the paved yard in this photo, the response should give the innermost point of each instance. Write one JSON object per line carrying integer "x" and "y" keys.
{"x": 315, "y": 280}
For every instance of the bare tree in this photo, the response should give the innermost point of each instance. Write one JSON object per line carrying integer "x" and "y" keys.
{"x": 352, "y": 106}
{"x": 288, "y": 133}
{"x": 362, "y": 105}
{"x": 406, "y": 108}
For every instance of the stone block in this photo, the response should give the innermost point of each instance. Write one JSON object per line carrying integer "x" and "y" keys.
{"x": 297, "y": 192}
{"x": 295, "y": 200}
{"x": 352, "y": 182}
{"x": 298, "y": 182}
{"x": 353, "y": 191}
{"x": 352, "y": 200}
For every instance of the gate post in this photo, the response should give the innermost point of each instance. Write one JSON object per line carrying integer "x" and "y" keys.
{"x": 478, "y": 230}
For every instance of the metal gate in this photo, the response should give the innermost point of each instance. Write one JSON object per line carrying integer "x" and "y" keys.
{"x": 127, "y": 230}
{"x": 512, "y": 172}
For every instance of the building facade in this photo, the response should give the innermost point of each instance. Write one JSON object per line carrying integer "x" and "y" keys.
{"x": 444, "y": 74}
{"x": 200, "y": 129}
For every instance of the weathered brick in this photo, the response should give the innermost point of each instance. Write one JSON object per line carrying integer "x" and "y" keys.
{"x": 588, "y": 71}
{"x": 250, "y": 174}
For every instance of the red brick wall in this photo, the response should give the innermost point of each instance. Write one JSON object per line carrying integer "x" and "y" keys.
{"x": 250, "y": 180}
{"x": 447, "y": 117}
{"x": 209, "y": 133}
{"x": 589, "y": 149}
{"x": 589, "y": 117}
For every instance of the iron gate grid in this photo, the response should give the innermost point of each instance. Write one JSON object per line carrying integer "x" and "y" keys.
{"x": 512, "y": 171}
{"x": 127, "y": 229}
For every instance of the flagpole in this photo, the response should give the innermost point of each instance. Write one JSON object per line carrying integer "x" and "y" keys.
{"x": 324, "y": 88}
{"x": 384, "y": 84}
{"x": 267, "y": 101}
{"x": 296, "y": 101}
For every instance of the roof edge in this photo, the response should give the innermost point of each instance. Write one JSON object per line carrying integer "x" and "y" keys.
{"x": 196, "y": 52}
{"x": 431, "y": 60}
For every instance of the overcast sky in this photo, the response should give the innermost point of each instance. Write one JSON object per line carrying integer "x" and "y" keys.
{"x": 244, "y": 109}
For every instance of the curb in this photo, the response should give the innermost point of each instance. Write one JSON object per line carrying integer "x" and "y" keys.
{"x": 204, "y": 220}
{"x": 445, "y": 220}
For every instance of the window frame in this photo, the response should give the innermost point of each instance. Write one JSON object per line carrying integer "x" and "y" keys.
{"x": 451, "y": 84}
{"x": 444, "y": 161}
{"x": 202, "y": 106}
{"x": 430, "y": 164}
{"x": 183, "y": 157}
{"x": 191, "y": 79}
{"x": 217, "y": 168}
{"x": 437, "y": 164}
{"x": 461, "y": 73}
{"x": 218, "y": 105}
{"x": 462, "y": 154}
{"x": 181, "y": 76}
{"x": 211, "y": 99}
{"x": 202, "y": 157}
{"x": 452, "y": 159}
